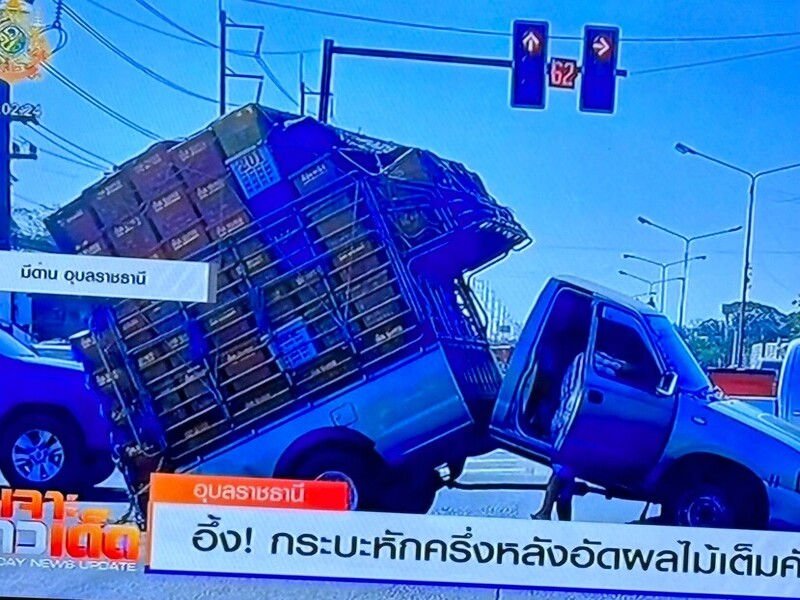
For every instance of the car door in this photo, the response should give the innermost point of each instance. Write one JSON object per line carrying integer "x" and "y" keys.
{"x": 615, "y": 418}
{"x": 560, "y": 319}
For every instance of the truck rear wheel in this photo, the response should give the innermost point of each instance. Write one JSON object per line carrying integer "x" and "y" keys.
{"x": 727, "y": 498}
{"x": 362, "y": 471}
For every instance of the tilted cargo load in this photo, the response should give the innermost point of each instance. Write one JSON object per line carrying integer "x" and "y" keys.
{"x": 338, "y": 256}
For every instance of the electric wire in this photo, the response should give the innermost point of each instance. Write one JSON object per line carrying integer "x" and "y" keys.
{"x": 70, "y": 142}
{"x": 74, "y": 87}
{"x": 133, "y": 62}
{"x": 496, "y": 33}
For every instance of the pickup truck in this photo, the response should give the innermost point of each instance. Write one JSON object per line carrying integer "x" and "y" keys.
{"x": 638, "y": 416}
{"x": 346, "y": 343}
{"x": 52, "y": 433}
{"x": 774, "y": 389}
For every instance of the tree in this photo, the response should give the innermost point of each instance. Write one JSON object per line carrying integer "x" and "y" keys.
{"x": 710, "y": 342}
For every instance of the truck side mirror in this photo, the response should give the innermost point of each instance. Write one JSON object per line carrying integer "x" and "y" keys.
{"x": 668, "y": 384}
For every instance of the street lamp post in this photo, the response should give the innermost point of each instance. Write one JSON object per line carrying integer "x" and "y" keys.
{"x": 687, "y": 242}
{"x": 650, "y": 283}
{"x": 748, "y": 244}
{"x": 664, "y": 280}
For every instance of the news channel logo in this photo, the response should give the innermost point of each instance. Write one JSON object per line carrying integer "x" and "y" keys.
{"x": 23, "y": 47}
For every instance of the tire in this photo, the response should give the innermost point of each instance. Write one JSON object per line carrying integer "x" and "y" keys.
{"x": 724, "y": 499}
{"x": 363, "y": 470}
{"x": 60, "y": 463}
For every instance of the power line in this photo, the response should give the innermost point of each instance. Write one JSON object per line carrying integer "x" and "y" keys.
{"x": 716, "y": 61}
{"x": 274, "y": 79}
{"x": 158, "y": 14}
{"x": 133, "y": 62}
{"x": 193, "y": 38}
{"x": 74, "y": 161}
{"x": 66, "y": 149}
{"x": 495, "y": 33}
{"x": 67, "y": 82}
{"x": 71, "y": 143}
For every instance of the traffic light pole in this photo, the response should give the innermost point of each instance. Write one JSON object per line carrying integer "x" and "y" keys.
{"x": 329, "y": 50}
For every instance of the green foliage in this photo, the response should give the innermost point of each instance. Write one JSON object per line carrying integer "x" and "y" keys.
{"x": 710, "y": 342}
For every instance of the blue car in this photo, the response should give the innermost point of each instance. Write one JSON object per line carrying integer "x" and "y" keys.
{"x": 52, "y": 433}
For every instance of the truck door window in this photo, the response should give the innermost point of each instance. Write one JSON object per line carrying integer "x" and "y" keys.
{"x": 621, "y": 352}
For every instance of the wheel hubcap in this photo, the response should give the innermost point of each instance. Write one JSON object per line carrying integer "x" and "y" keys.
{"x": 340, "y": 476}
{"x": 707, "y": 510}
{"x": 38, "y": 455}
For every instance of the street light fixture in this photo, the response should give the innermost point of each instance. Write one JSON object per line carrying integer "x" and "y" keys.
{"x": 687, "y": 242}
{"x": 748, "y": 244}
{"x": 664, "y": 266}
{"x": 650, "y": 283}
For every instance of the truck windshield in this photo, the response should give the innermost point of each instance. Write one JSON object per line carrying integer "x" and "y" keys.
{"x": 690, "y": 375}
{"x": 13, "y": 348}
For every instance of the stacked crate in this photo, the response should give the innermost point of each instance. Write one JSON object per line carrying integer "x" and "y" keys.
{"x": 321, "y": 239}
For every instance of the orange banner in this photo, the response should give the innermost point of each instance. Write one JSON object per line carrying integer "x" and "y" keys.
{"x": 248, "y": 492}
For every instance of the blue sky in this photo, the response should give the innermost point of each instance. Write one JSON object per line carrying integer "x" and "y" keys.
{"x": 576, "y": 181}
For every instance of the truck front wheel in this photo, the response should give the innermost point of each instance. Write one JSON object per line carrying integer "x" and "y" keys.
{"x": 726, "y": 499}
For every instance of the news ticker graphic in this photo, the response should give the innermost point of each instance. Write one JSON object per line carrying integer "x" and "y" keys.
{"x": 209, "y": 495}
{"x": 107, "y": 277}
{"x": 187, "y": 539}
{"x": 254, "y": 492}
{"x": 53, "y": 531}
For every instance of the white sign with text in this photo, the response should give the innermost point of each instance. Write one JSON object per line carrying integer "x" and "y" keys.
{"x": 472, "y": 551}
{"x": 107, "y": 277}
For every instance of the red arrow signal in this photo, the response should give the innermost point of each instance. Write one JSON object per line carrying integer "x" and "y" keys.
{"x": 601, "y": 46}
{"x": 531, "y": 42}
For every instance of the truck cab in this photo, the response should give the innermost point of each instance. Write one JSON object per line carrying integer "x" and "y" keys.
{"x": 605, "y": 385}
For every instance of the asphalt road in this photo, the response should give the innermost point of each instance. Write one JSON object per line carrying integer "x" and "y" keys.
{"x": 495, "y": 467}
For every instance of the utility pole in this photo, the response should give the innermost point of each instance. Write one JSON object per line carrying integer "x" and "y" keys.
{"x": 223, "y": 61}
{"x": 9, "y": 151}
{"x": 5, "y": 169}
{"x": 225, "y": 71}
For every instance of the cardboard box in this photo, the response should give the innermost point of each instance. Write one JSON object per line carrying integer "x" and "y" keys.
{"x": 152, "y": 173}
{"x": 216, "y": 201}
{"x": 188, "y": 243}
{"x": 74, "y": 226}
{"x": 134, "y": 237}
{"x": 199, "y": 159}
{"x": 229, "y": 226}
{"x": 172, "y": 213}
{"x": 113, "y": 200}
{"x": 240, "y": 130}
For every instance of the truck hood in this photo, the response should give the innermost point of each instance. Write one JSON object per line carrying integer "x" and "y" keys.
{"x": 765, "y": 423}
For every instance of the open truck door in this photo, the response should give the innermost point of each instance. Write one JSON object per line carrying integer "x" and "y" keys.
{"x": 556, "y": 331}
{"x": 618, "y": 401}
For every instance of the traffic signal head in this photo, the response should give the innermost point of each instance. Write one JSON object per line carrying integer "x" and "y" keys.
{"x": 529, "y": 64}
{"x": 599, "y": 69}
